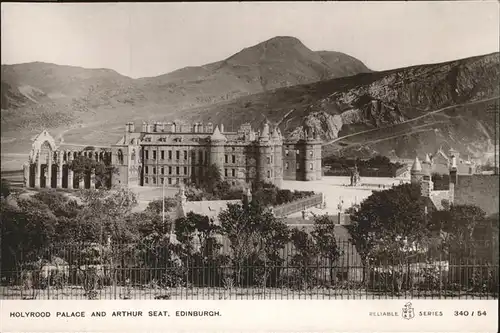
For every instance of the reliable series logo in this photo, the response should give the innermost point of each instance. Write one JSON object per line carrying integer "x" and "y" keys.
{"x": 408, "y": 311}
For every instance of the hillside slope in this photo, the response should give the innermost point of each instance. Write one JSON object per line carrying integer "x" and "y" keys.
{"x": 45, "y": 91}
{"x": 399, "y": 112}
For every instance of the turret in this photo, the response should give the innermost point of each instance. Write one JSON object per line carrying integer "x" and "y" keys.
{"x": 416, "y": 172}
{"x": 265, "y": 164}
{"x": 217, "y": 142}
{"x": 312, "y": 156}
{"x": 144, "y": 127}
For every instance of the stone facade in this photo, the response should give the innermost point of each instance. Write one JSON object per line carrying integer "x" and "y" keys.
{"x": 171, "y": 154}
{"x": 474, "y": 189}
{"x": 48, "y": 165}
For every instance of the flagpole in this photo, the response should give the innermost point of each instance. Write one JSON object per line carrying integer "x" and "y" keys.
{"x": 163, "y": 203}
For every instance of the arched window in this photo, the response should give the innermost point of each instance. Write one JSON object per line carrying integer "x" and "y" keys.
{"x": 120, "y": 156}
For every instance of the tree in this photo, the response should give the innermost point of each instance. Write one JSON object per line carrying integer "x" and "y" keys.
{"x": 5, "y": 188}
{"x": 389, "y": 227}
{"x": 28, "y": 230}
{"x": 83, "y": 165}
{"x": 108, "y": 211}
{"x": 305, "y": 259}
{"x": 460, "y": 226}
{"x": 255, "y": 236}
{"x": 326, "y": 242}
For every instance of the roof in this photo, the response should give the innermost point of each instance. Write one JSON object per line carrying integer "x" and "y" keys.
{"x": 437, "y": 198}
{"x": 479, "y": 190}
{"x": 208, "y": 208}
{"x": 416, "y": 165}
{"x": 217, "y": 135}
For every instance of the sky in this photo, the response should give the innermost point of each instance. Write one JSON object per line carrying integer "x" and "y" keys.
{"x": 149, "y": 39}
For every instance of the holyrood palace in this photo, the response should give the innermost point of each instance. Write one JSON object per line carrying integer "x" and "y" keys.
{"x": 169, "y": 154}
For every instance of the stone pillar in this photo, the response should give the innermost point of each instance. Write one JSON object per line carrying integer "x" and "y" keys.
{"x": 38, "y": 170}
{"x": 48, "y": 178}
{"x": 60, "y": 163}
{"x": 92, "y": 179}
{"x": 70, "y": 172}
{"x": 26, "y": 178}
{"x": 81, "y": 181}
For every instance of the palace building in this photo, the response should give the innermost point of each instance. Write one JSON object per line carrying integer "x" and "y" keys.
{"x": 170, "y": 154}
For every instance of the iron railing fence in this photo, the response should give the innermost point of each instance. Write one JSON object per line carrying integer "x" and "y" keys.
{"x": 298, "y": 205}
{"x": 203, "y": 271}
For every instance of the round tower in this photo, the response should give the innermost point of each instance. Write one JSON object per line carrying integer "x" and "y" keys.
{"x": 416, "y": 172}
{"x": 217, "y": 142}
{"x": 278, "y": 157}
{"x": 265, "y": 159}
{"x": 311, "y": 156}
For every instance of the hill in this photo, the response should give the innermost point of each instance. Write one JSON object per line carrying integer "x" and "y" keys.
{"x": 279, "y": 62}
{"x": 90, "y": 105}
{"x": 397, "y": 113}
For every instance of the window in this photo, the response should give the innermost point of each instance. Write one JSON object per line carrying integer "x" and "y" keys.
{"x": 146, "y": 169}
{"x": 154, "y": 154}
{"x": 147, "y": 154}
{"x": 268, "y": 173}
{"x": 176, "y": 170}
{"x": 169, "y": 170}
{"x": 177, "y": 180}
{"x": 201, "y": 157}
{"x": 297, "y": 152}
{"x": 162, "y": 154}
{"x": 162, "y": 180}
{"x": 185, "y": 155}
{"x": 225, "y": 172}
{"x": 185, "y": 170}
{"x": 154, "y": 171}
{"x": 233, "y": 172}
{"x": 170, "y": 181}
{"x": 286, "y": 165}
{"x": 310, "y": 166}
{"x": 298, "y": 166}
{"x": 162, "y": 170}
{"x": 154, "y": 180}
{"x": 146, "y": 180}
{"x": 226, "y": 159}
{"x": 169, "y": 154}
{"x": 233, "y": 158}
{"x": 177, "y": 154}
{"x": 311, "y": 153}
{"x": 286, "y": 152}
{"x": 268, "y": 160}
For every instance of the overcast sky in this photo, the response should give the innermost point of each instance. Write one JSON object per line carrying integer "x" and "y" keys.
{"x": 138, "y": 39}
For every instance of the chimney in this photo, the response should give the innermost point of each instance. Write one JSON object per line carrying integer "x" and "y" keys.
{"x": 131, "y": 127}
{"x": 222, "y": 128}
{"x": 195, "y": 128}
{"x": 144, "y": 127}
{"x": 453, "y": 171}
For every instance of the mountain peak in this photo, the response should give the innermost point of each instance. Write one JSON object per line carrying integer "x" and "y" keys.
{"x": 283, "y": 40}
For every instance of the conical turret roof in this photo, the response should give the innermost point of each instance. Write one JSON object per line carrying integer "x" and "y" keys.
{"x": 427, "y": 159}
{"x": 417, "y": 167}
{"x": 217, "y": 135}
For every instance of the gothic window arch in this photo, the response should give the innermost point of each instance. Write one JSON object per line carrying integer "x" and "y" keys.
{"x": 120, "y": 156}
